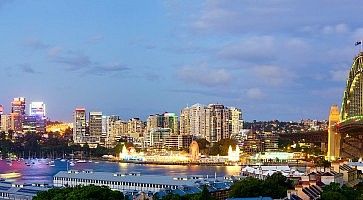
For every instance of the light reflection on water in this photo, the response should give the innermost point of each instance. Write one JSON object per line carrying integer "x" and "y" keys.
{"x": 40, "y": 172}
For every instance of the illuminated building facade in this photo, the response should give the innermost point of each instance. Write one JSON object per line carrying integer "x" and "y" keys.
{"x": 17, "y": 113}
{"x": 213, "y": 122}
{"x": 333, "y": 136}
{"x": 36, "y": 120}
{"x": 18, "y": 106}
{"x": 235, "y": 121}
{"x": 79, "y": 125}
{"x": 37, "y": 109}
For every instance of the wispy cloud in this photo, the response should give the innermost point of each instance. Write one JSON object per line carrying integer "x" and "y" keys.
{"x": 35, "y": 44}
{"x": 26, "y": 68}
{"x": 204, "y": 75}
{"x": 95, "y": 39}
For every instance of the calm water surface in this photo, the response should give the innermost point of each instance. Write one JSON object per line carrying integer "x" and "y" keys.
{"x": 40, "y": 172}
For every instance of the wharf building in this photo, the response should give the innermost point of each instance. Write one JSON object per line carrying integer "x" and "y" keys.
{"x": 128, "y": 182}
{"x": 20, "y": 191}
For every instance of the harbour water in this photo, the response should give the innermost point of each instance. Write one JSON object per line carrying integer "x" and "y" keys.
{"x": 40, "y": 172}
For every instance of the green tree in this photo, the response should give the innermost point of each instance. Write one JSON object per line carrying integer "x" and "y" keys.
{"x": 276, "y": 185}
{"x": 248, "y": 187}
{"x": 334, "y": 191}
{"x": 90, "y": 192}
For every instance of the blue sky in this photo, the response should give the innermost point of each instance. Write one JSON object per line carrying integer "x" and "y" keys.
{"x": 278, "y": 59}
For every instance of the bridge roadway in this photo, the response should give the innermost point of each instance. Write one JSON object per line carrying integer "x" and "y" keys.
{"x": 351, "y": 132}
{"x": 308, "y": 136}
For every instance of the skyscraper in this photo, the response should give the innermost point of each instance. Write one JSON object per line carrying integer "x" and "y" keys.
{"x": 37, "y": 109}
{"x": 79, "y": 125}
{"x": 37, "y": 113}
{"x": 17, "y": 113}
{"x": 213, "y": 122}
{"x": 171, "y": 121}
{"x": 95, "y": 127}
{"x": 18, "y": 105}
{"x": 235, "y": 120}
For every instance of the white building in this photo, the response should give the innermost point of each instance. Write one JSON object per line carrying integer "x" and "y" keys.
{"x": 125, "y": 182}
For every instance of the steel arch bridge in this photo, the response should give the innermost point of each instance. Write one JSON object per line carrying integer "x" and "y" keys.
{"x": 350, "y": 126}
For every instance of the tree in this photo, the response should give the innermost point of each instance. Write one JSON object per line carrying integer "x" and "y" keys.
{"x": 274, "y": 186}
{"x": 248, "y": 187}
{"x": 335, "y": 192}
{"x": 80, "y": 193}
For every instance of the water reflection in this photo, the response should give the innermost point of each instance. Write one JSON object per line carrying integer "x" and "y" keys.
{"x": 42, "y": 173}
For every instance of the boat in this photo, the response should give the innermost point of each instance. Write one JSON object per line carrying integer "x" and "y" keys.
{"x": 10, "y": 175}
{"x": 63, "y": 160}
{"x": 71, "y": 164}
{"x": 81, "y": 161}
{"x": 51, "y": 163}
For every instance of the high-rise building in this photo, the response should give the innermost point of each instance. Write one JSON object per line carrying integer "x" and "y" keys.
{"x": 109, "y": 130}
{"x": 95, "y": 127}
{"x": 154, "y": 121}
{"x": 171, "y": 121}
{"x": 235, "y": 121}
{"x": 79, "y": 125}
{"x": 135, "y": 127}
{"x": 17, "y": 113}
{"x": 37, "y": 109}
{"x": 5, "y": 122}
{"x": 219, "y": 123}
{"x": 18, "y": 106}
{"x": 37, "y": 113}
{"x": 1, "y": 109}
{"x": 212, "y": 122}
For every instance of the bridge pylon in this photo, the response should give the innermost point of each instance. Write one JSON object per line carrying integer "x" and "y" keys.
{"x": 333, "y": 134}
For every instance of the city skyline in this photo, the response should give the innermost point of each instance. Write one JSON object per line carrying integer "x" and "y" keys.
{"x": 137, "y": 59}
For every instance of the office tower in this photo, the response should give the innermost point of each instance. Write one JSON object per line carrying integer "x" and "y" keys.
{"x": 79, "y": 125}
{"x": 95, "y": 127}
{"x": 37, "y": 112}
{"x": 30, "y": 124}
{"x": 37, "y": 109}
{"x": 235, "y": 121}
{"x": 18, "y": 106}
{"x": 17, "y": 113}
{"x": 171, "y": 121}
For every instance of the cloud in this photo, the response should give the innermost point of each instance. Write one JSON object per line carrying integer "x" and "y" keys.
{"x": 26, "y": 68}
{"x": 73, "y": 61}
{"x": 255, "y": 93}
{"x": 336, "y": 29}
{"x": 273, "y": 75}
{"x": 35, "y": 44}
{"x": 94, "y": 39}
{"x": 339, "y": 75}
{"x": 203, "y": 75}
{"x": 250, "y": 49}
{"x": 107, "y": 68}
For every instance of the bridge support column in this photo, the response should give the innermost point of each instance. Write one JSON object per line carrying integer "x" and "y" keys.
{"x": 333, "y": 135}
